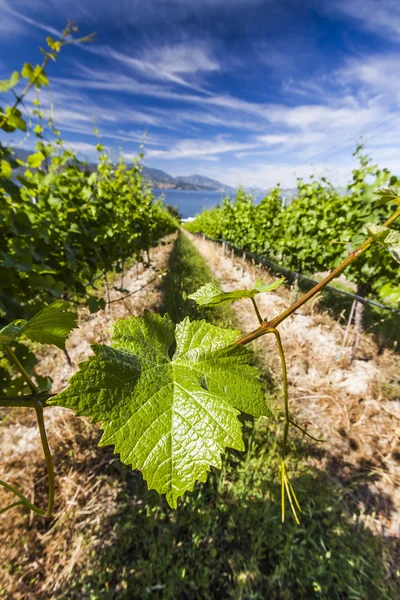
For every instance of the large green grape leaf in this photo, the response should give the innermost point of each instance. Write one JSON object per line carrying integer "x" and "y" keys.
{"x": 168, "y": 397}
{"x": 51, "y": 325}
{"x": 387, "y": 237}
{"x": 211, "y": 295}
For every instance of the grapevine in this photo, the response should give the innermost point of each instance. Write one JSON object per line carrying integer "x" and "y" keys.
{"x": 167, "y": 395}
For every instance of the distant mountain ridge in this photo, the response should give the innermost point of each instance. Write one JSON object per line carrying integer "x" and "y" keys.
{"x": 160, "y": 179}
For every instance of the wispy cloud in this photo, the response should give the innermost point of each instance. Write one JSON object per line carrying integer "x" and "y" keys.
{"x": 165, "y": 63}
{"x": 251, "y": 89}
{"x": 11, "y": 21}
{"x": 194, "y": 148}
{"x": 379, "y": 17}
{"x": 9, "y": 24}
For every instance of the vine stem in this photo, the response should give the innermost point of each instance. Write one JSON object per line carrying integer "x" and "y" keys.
{"x": 63, "y": 41}
{"x": 266, "y": 326}
{"x": 23, "y": 501}
{"x": 21, "y": 369}
{"x": 259, "y": 317}
{"x": 285, "y": 481}
{"x": 25, "y": 401}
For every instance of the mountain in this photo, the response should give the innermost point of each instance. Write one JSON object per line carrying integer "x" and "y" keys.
{"x": 162, "y": 180}
{"x": 205, "y": 183}
{"x": 157, "y": 175}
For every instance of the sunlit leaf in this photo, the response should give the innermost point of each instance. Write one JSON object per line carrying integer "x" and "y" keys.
{"x": 9, "y": 84}
{"x": 388, "y": 194}
{"x": 35, "y": 160}
{"x": 168, "y": 397}
{"x": 52, "y": 325}
{"x": 211, "y": 295}
{"x": 387, "y": 237}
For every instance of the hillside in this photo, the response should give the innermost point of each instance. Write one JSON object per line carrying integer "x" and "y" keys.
{"x": 163, "y": 180}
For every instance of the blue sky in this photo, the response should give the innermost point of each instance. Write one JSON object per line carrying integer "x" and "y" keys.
{"x": 247, "y": 91}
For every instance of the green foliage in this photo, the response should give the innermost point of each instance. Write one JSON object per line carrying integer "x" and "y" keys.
{"x": 35, "y": 75}
{"x": 317, "y": 230}
{"x": 391, "y": 294}
{"x": 211, "y": 295}
{"x": 61, "y": 223}
{"x": 389, "y": 238}
{"x": 170, "y": 397}
{"x": 388, "y": 194}
{"x": 35, "y": 160}
{"x": 52, "y": 325}
{"x": 8, "y": 84}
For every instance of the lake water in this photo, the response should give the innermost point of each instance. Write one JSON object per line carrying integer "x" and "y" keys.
{"x": 190, "y": 202}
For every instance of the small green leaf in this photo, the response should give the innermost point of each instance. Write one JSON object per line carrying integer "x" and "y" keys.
{"x": 27, "y": 71}
{"x": 390, "y": 294}
{"x": 13, "y": 120}
{"x": 35, "y": 160}
{"x": 96, "y": 304}
{"x": 11, "y": 331}
{"x": 260, "y": 286}
{"x": 5, "y": 168}
{"x": 211, "y": 295}
{"x": 53, "y": 45}
{"x": 9, "y": 84}
{"x": 168, "y": 397}
{"x": 44, "y": 384}
{"x": 387, "y": 237}
{"x": 378, "y": 232}
{"x": 52, "y": 325}
{"x": 35, "y": 75}
{"x": 388, "y": 194}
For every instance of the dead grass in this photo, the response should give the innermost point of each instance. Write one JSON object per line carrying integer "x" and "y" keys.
{"x": 37, "y": 557}
{"x": 354, "y": 406}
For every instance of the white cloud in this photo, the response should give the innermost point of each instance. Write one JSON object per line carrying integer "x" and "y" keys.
{"x": 324, "y": 117}
{"x": 272, "y": 140}
{"x": 168, "y": 62}
{"x": 82, "y": 147}
{"x": 206, "y": 149}
{"x": 9, "y": 24}
{"x": 375, "y": 73}
{"x": 11, "y": 21}
{"x": 379, "y": 17}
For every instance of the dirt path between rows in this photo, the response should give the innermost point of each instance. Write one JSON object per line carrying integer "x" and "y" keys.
{"x": 354, "y": 407}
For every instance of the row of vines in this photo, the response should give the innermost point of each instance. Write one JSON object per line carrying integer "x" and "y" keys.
{"x": 316, "y": 231}
{"x": 63, "y": 222}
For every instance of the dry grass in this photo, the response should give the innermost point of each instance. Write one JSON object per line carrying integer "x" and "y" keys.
{"x": 354, "y": 406}
{"x": 37, "y": 557}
